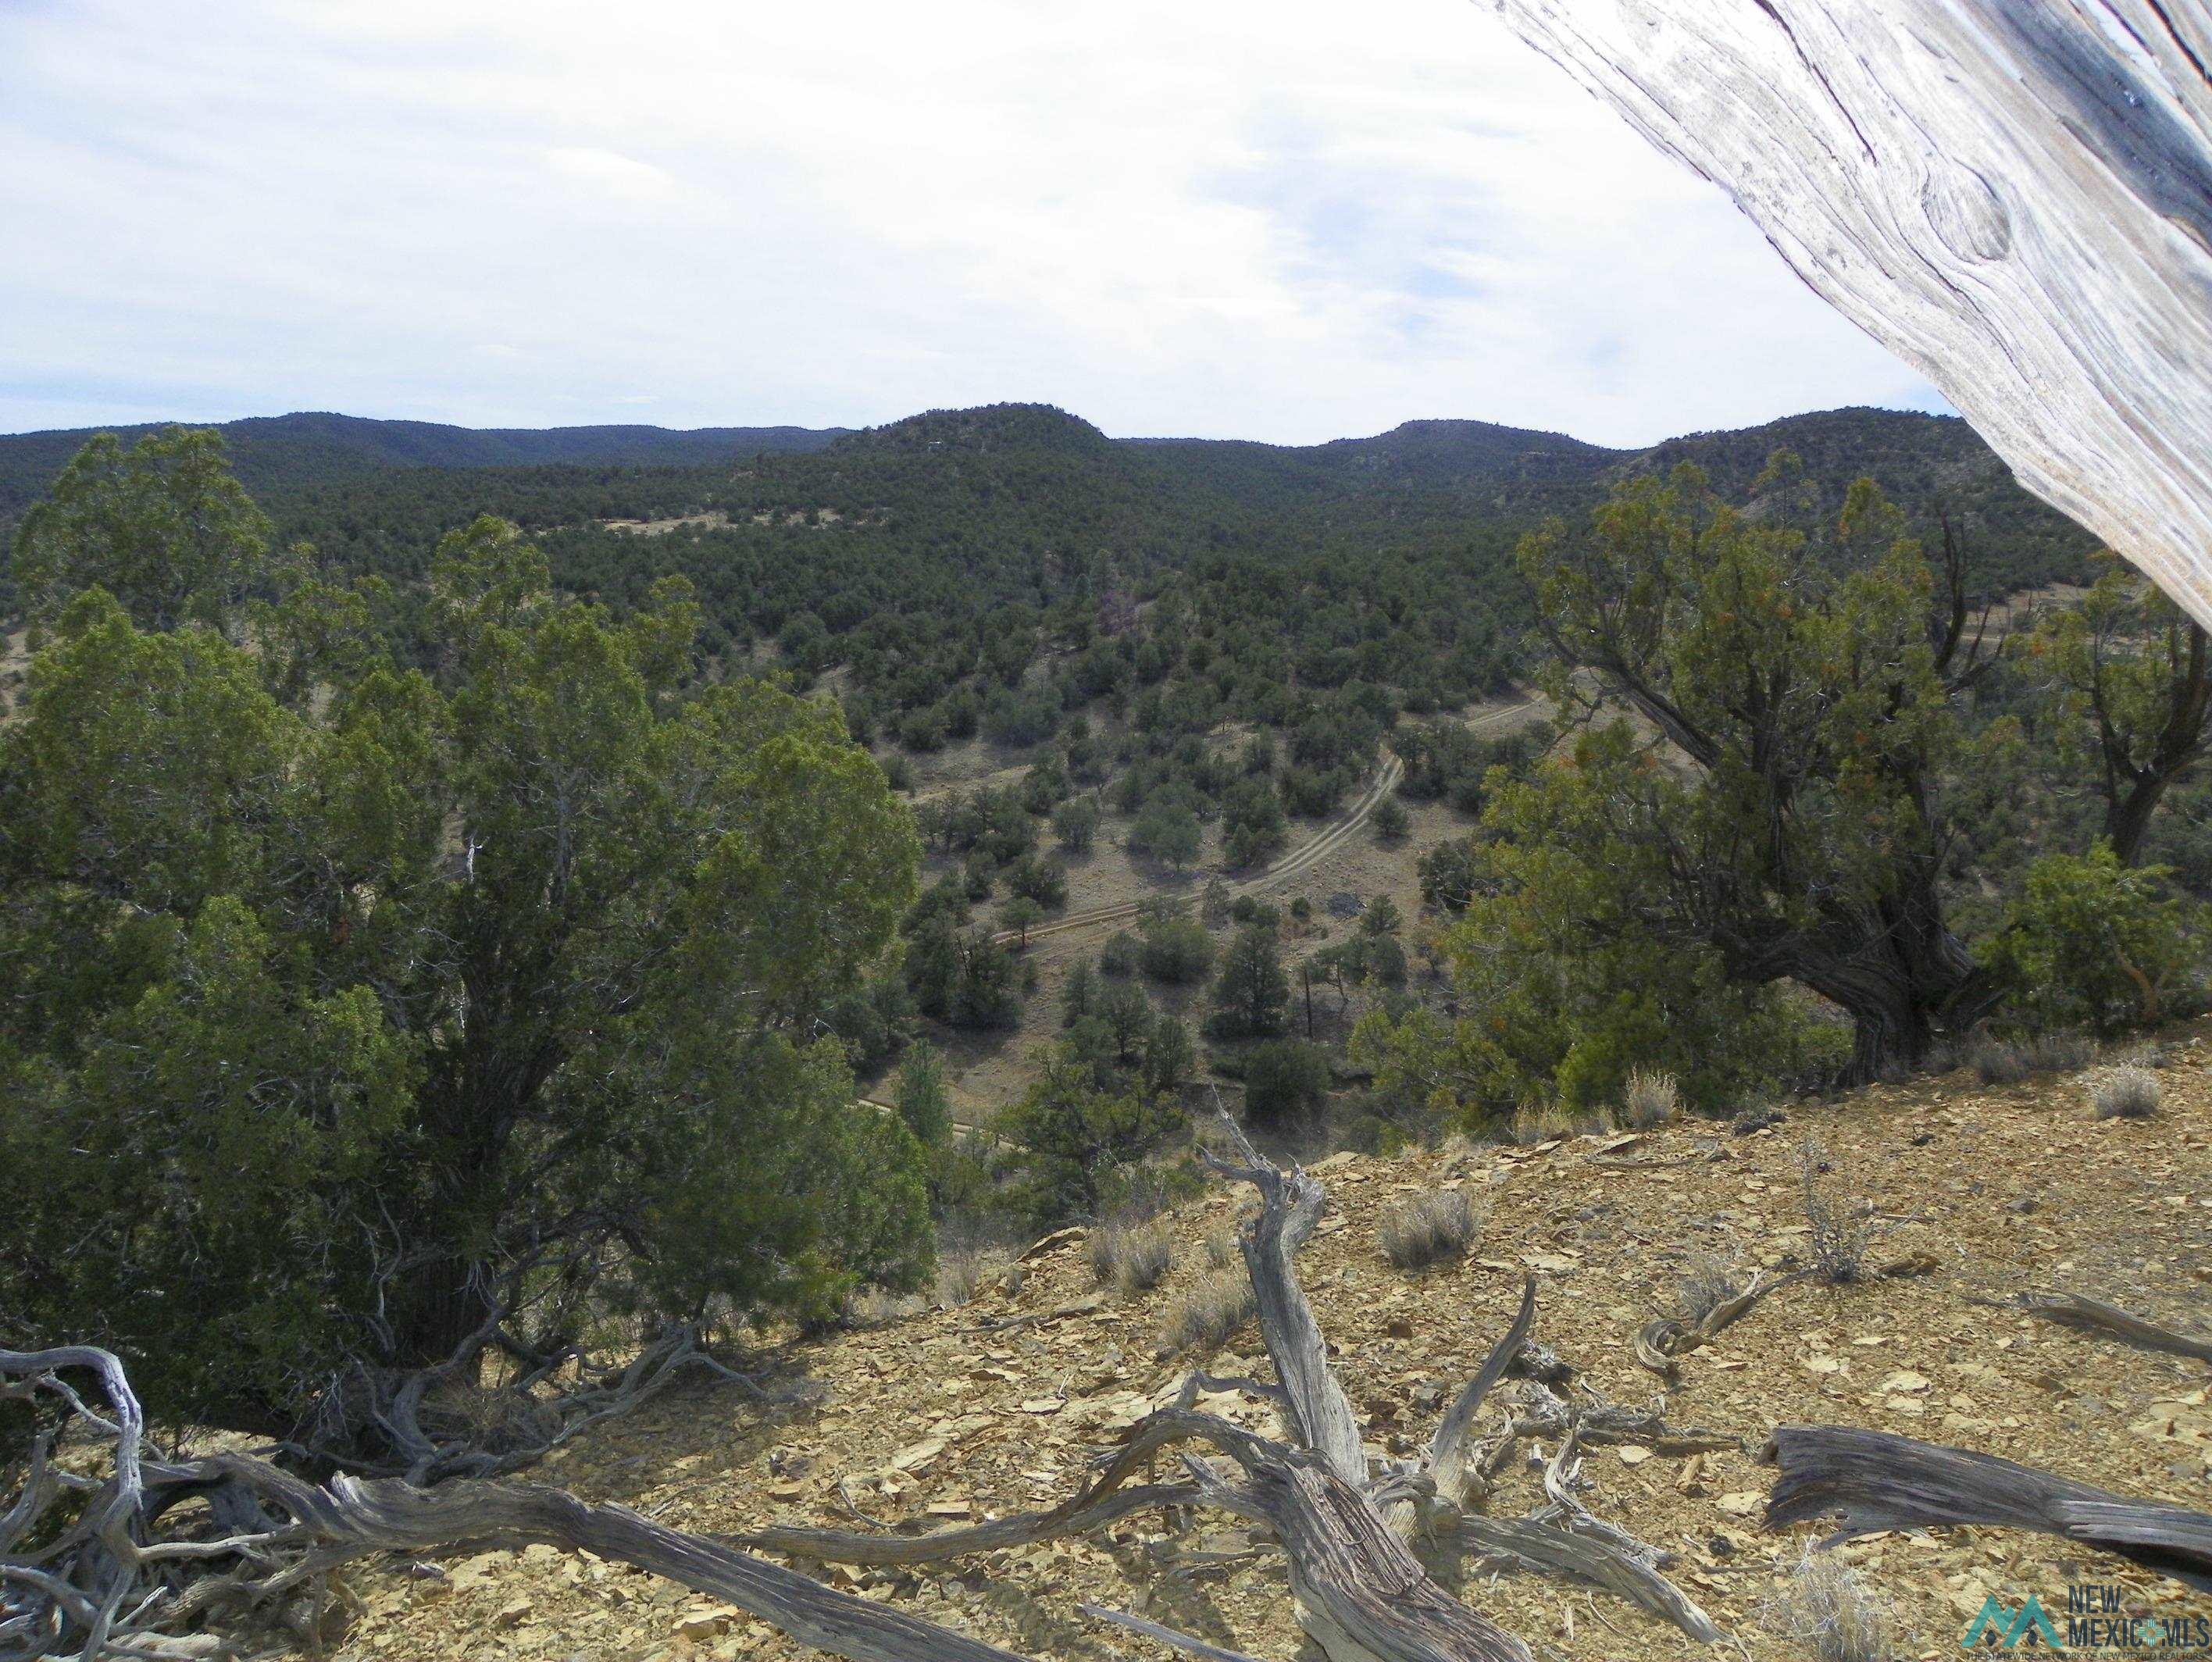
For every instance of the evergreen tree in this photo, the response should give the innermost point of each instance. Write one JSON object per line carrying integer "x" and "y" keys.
{"x": 1251, "y": 993}
{"x": 921, "y": 1098}
{"x": 1807, "y": 685}
{"x": 446, "y": 998}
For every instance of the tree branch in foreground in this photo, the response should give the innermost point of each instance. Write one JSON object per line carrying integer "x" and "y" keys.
{"x": 1874, "y": 1481}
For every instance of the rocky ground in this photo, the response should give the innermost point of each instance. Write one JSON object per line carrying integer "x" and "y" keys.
{"x": 994, "y": 1406}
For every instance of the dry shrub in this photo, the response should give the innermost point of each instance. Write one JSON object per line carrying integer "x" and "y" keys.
{"x": 1437, "y": 1228}
{"x": 1709, "y": 1279}
{"x": 1839, "y": 1242}
{"x": 1204, "y": 1319}
{"x": 959, "y": 1278}
{"x": 1222, "y": 1251}
{"x": 2063, "y": 1050}
{"x": 872, "y": 1306}
{"x": 1998, "y": 1061}
{"x": 493, "y": 1418}
{"x": 1541, "y": 1122}
{"x": 1132, "y": 1257}
{"x": 1649, "y": 1099}
{"x": 2128, "y": 1091}
{"x": 1826, "y": 1608}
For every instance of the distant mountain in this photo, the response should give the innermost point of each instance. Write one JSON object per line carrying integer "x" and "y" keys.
{"x": 1002, "y": 428}
{"x": 1916, "y": 456}
{"x": 275, "y": 452}
{"x": 1041, "y": 477}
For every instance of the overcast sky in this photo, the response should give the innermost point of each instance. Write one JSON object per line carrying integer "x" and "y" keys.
{"x": 1275, "y": 219}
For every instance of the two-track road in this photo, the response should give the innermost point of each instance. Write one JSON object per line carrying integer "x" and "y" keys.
{"x": 1386, "y": 780}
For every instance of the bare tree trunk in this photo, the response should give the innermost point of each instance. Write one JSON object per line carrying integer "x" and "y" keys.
{"x": 2015, "y": 197}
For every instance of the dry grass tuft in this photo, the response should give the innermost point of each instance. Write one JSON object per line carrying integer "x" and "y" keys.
{"x": 1649, "y": 1099}
{"x": 1437, "y": 1228}
{"x": 2128, "y": 1091}
{"x": 1541, "y": 1122}
{"x": 1999, "y": 1061}
{"x": 1837, "y": 1245}
{"x": 959, "y": 1278}
{"x": 871, "y": 1307}
{"x": 1204, "y": 1319}
{"x": 1222, "y": 1251}
{"x": 1824, "y": 1606}
{"x": 1709, "y": 1279}
{"x": 1132, "y": 1257}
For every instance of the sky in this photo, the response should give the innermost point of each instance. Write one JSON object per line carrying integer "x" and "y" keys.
{"x": 1268, "y": 219}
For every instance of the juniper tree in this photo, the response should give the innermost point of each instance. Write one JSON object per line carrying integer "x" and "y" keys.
{"x": 1772, "y": 814}
{"x": 468, "y": 1000}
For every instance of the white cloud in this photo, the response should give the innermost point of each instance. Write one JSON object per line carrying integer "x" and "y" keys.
{"x": 620, "y": 176}
{"x": 1269, "y": 218}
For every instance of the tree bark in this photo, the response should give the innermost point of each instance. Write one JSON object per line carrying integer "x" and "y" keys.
{"x": 1875, "y": 1481}
{"x": 2015, "y": 197}
{"x": 1899, "y": 972}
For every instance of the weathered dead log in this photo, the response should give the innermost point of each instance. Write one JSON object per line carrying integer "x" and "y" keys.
{"x": 1101, "y": 1502}
{"x": 1446, "y": 1462}
{"x": 1362, "y": 1594}
{"x": 1874, "y": 1481}
{"x": 1290, "y": 1207}
{"x": 2095, "y": 1316}
{"x": 383, "y": 1422}
{"x": 1616, "y": 1423}
{"x": 106, "y": 1583}
{"x": 2016, "y": 199}
{"x": 1556, "y": 1549}
{"x": 1562, "y": 1537}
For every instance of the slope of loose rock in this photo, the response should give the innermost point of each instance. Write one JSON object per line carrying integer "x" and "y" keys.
{"x": 995, "y": 1407}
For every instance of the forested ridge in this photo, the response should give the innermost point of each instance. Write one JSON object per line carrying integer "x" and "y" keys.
{"x": 936, "y": 554}
{"x": 278, "y": 451}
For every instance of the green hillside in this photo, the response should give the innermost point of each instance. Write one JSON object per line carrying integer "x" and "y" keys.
{"x": 956, "y": 564}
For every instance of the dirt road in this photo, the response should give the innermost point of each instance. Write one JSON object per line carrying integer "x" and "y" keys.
{"x": 1386, "y": 780}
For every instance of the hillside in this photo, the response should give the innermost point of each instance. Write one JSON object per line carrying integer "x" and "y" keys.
{"x": 357, "y": 483}
{"x": 987, "y": 1407}
{"x": 277, "y": 452}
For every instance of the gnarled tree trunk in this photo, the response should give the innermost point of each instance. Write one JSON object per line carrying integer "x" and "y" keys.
{"x": 2015, "y": 197}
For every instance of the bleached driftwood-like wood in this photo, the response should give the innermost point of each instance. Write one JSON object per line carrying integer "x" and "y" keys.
{"x": 1291, "y": 1205}
{"x": 2090, "y": 1315}
{"x": 2015, "y": 197}
{"x": 113, "y": 1580}
{"x": 1874, "y": 1481}
{"x": 1663, "y": 1339}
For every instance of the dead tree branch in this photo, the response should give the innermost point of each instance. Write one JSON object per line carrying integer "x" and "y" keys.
{"x": 2094, "y": 1316}
{"x": 110, "y": 1583}
{"x": 1663, "y": 1339}
{"x": 1874, "y": 1481}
